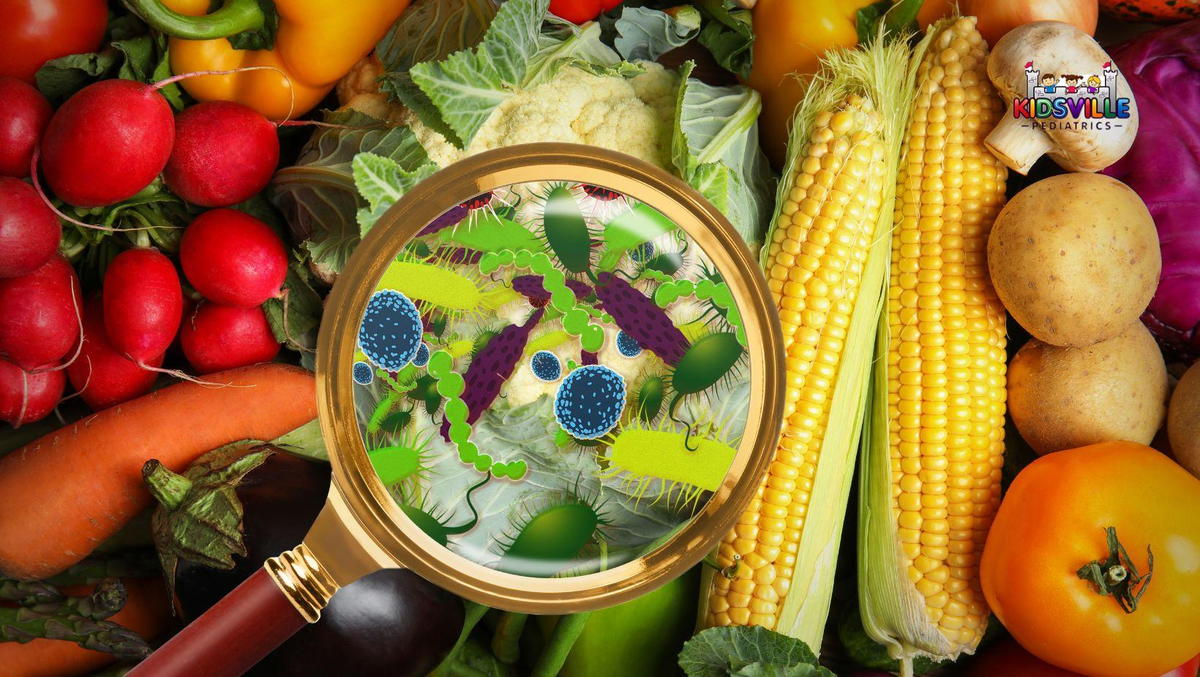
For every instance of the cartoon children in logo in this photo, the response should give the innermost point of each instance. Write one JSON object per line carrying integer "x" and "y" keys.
{"x": 1101, "y": 85}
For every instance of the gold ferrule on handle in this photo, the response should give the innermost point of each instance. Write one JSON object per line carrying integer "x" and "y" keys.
{"x": 301, "y": 577}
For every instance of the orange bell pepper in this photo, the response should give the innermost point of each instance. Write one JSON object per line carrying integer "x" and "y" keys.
{"x": 317, "y": 42}
{"x": 789, "y": 39}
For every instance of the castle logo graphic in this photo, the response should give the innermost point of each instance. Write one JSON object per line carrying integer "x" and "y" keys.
{"x": 1071, "y": 100}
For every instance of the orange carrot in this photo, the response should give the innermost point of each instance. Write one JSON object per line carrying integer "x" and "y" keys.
{"x": 62, "y": 495}
{"x": 145, "y": 612}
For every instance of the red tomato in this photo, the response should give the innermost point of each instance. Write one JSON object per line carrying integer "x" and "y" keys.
{"x": 1006, "y": 658}
{"x": 1188, "y": 669}
{"x": 35, "y": 31}
{"x": 581, "y": 11}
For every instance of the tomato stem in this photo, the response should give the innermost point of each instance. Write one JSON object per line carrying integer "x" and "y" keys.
{"x": 1116, "y": 575}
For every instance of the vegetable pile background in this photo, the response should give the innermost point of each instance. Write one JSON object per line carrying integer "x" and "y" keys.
{"x": 991, "y": 453}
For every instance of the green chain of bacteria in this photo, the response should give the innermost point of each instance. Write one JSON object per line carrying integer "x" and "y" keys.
{"x": 705, "y": 290}
{"x": 576, "y": 316}
{"x": 450, "y": 385}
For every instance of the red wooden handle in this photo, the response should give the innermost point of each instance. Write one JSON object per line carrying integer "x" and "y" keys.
{"x": 228, "y": 639}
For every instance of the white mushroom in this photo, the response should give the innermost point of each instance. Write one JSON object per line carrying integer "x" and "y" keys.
{"x": 1076, "y": 143}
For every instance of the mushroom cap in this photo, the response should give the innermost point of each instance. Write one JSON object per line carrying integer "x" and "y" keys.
{"x": 1059, "y": 48}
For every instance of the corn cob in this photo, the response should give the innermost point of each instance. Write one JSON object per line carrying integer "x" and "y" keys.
{"x": 931, "y": 472}
{"x": 825, "y": 260}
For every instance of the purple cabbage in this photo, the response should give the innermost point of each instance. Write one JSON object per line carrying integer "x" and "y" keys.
{"x": 1163, "y": 70}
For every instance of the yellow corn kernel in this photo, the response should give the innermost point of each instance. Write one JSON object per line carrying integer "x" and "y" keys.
{"x": 817, "y": 254}
{"x": 946, "y": 355}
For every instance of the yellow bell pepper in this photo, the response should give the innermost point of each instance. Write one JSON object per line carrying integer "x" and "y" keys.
{"x": 789, "y": 39}
{"x": 317, "y": 42}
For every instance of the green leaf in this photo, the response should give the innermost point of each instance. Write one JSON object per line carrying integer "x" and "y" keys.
{"x": 140, "y": 58}
{"x": 460, "y": 92}
{"x": 430, "y": 30}
{"x": 622, "y": 69}
{"x": 297, "y": 314}
{"x": 772, "y": 670}
{"x": 715, "y": 149}
{"x": 262, "y": 38}
{"x": 382, "y": 181}
{"x": 162, "y": 70}
{"x": 133, "y": 53}
{"x": 59, "y": 78}
{"x": 729, "y": 35}
{"x": 896, "y": 17}
{"x": 646, "y": 34}
{"x": 724, "y": 651}
{"x": 306, "y": 441}
{"x": 468, "y": 85}
{"x": 317, "y": 195}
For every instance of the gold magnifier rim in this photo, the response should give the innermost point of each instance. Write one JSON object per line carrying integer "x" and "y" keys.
{"x": 377, "y": 515}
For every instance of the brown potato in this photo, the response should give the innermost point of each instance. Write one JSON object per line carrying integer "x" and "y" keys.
{"x": 1062, "y": 398}
{"x": 1183, "y": 420}
{"x": 1075, "y": 258}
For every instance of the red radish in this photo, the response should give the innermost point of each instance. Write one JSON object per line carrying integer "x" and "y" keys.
{"x": 224, "y": 153}
{"x": 143, "y": 304}
{"x": 233, "y": 259}
{"x": 29, "y": 230}
{"x": 107, "y": 142}
{"x": 24, "y": 113}
{"x": 102, "y": 375}
{"x": 40, "y": 315}
{"x": 219, "y": 337}
{"x": 25, "y": 396}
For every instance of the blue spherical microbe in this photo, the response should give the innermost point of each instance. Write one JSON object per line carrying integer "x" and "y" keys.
{"x": 545, "y": 366}
{"x": 390, "y": 333}
{"x": 642, "y": 253}
{"x": 363, "y": 374}
{"x": 422, "y": 357}
{"x": 590, "y": 401}
{"x": 627, "y": 345}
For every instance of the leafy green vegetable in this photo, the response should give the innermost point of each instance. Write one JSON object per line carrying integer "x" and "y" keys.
{"x": 460, "y": 92}
{"x": 715, "y": 149}
{"x": 152, "y": 218}
{"x": 748, "y": 651}
{"x": 646, "y": 34}
{"x": 317, "y": 194}
{"x": 134, "y": 52}
{"x": 728, "y": 34}
{"x": 431, "y": 30}
{"x": 895, "y": 17}
{"x": 382, "y": 181}
{"x": 715, "y": 134}
{"x": 60, "y": 78}
{"x": 261, "y": 38}
{"x": 295, "y": 316}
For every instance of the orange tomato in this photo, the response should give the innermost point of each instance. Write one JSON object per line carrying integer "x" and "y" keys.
{"x": 1052, "y": 523}
{"x": 790, "y": 37}
{"x": 997, "y": 17}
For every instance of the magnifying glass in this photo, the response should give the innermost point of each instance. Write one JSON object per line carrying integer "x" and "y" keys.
{"x": 549, "y": 380}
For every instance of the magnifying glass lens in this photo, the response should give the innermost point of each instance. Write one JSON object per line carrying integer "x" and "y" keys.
{"x": 551, "y": 378}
